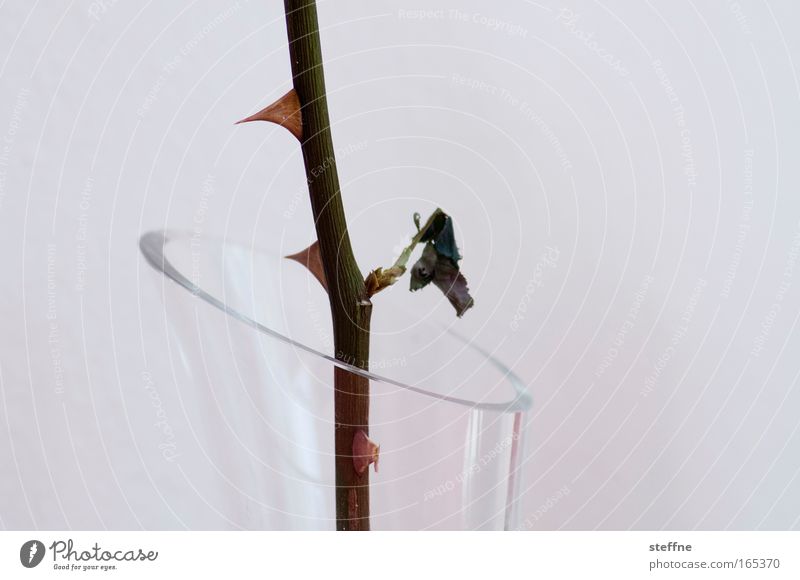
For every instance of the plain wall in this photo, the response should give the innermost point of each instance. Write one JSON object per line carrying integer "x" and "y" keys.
{"x": 623, "y": 178}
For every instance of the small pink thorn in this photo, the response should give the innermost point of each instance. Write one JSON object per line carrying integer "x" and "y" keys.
{"x": 365, "y": 452}
{"x": 285, "y": 112}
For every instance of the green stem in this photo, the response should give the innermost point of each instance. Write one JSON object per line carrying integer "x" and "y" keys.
{"x": 350, "y": 305}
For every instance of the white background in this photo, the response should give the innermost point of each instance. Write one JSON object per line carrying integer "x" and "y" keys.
{"x": 652, "y": 146}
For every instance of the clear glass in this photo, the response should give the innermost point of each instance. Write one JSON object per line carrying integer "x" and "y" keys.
{"x": 251, "y": 331}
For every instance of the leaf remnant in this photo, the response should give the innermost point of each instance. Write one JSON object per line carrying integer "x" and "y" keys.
{"x": 438, "y": 264}
{"x": 379, "y": 279}
{"x": 445, "y": 275}
{"x": 312, "y": 259}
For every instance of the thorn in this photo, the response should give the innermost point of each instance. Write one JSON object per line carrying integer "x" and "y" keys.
{"x": 285, "y": 111}
{"x": 312, "y": 259}
{"x": 365, "y": 452}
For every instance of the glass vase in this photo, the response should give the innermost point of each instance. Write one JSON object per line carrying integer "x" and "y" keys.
{"x": 251, "y": 348}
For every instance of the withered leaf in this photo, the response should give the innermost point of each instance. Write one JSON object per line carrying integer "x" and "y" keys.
{"x": 445, "y": 241}
{"x": 423, "y": 270}
{"x": 441, "y": 234}
{"x": 434, "y": 229}
{"x": 451, "y": 282}
{"x": 439, "y": 268}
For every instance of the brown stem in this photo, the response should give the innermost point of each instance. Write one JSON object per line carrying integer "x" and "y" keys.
{"x": 350, "y": 305}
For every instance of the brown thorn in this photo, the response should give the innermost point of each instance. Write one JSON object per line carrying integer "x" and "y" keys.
{"x": 285, "y": 112}
{"x": 312, "y": 259}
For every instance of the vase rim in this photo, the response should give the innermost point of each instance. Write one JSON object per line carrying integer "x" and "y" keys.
{"x": 152, "y": 245}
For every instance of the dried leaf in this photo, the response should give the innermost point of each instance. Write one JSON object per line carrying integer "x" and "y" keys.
{"x": 434, "y": 229}
{"x": 445, "y": 241}
{"x": 442, "y": 270}
{"x": 285, "y": 111}
{"x": 438, "y": 263}
{"x": 452, "y": 283}
{"x": 423, "y": 270}
{"x": 312, "y": 259}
